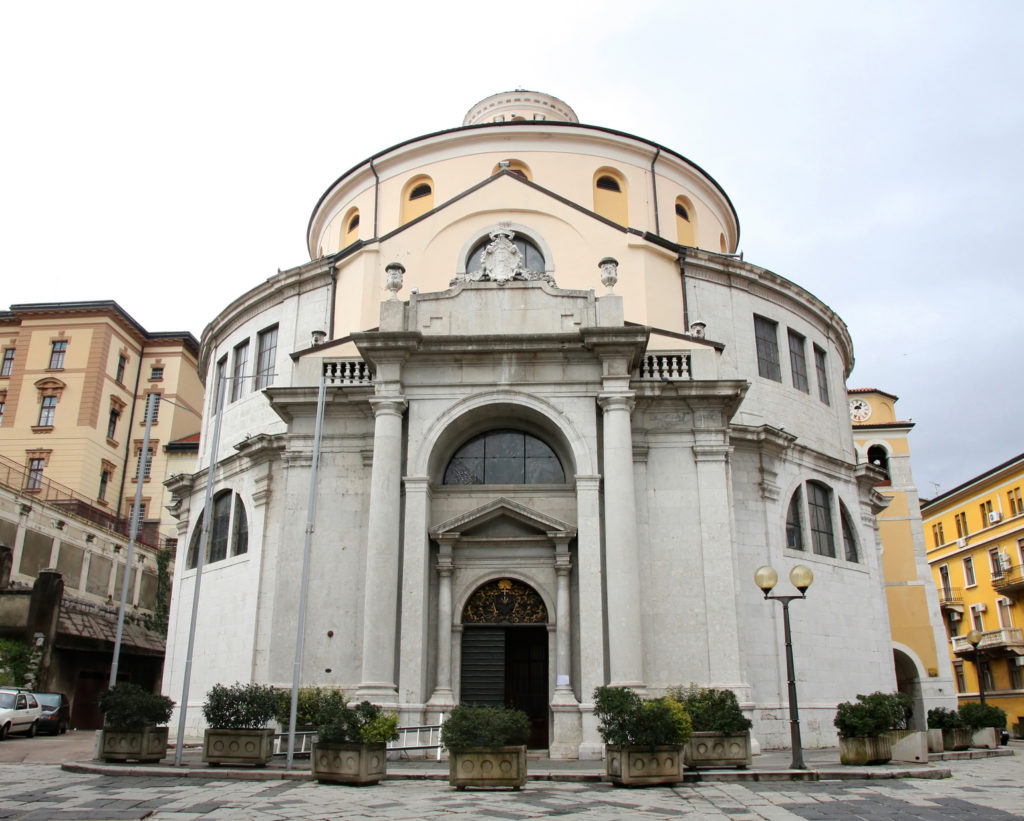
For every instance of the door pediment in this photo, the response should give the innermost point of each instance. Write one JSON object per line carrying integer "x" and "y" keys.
{"x": 503, "y": 518}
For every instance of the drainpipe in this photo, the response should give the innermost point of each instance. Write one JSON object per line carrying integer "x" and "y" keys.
{"x": 128, "y": 438}
{"x": 654, "y": 192}
{"x": 376, "y": 193}
{"x": 334, "y": 296}
{"x": 682, "y": 278}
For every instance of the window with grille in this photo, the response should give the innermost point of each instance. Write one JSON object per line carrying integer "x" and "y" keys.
{"x": 798, "y": 362}
{"x": 766, "y": 337}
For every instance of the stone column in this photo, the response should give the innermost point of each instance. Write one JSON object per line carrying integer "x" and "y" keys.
{"x": 625, "y": 636}
{"x": 415, "y": 642}
{"x": 443, "y": 698}
{"x": 719, "y": 582}
{"x": 380, "y": 603}
{"x": 566, "y": 729}
{"x": 591, "y": 608}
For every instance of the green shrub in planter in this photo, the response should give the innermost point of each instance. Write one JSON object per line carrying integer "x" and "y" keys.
{"x": 240, "y": 706}
{"x": 312, "y": 701}
{"x": 976, "y": 716}
{"x": 469, "y": 727}
{"x": 130, "y": 707}
{"x": 939, "y": 718}
{"x": 712, "y": 710}
{"x": 364, "y": 723}
{"x": 626, "y": 720}
{"x": 872, "y": 715}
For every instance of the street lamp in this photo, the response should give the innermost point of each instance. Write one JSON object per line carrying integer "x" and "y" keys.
{"x": 974, "y": 639}
{"x": 766, "y": 578}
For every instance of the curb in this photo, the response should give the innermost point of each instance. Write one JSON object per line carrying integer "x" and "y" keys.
{"x": 592, "y": 777}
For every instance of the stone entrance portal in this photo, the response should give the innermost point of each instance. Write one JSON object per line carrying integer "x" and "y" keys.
{"x": 505, "y": 652}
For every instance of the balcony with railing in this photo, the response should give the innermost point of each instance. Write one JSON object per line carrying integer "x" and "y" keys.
{"x": 1010, "y": 581}
{"x": 951, "y": 598}
{"x": 347, "y": 372}
{"x": 59, "y": 497}
{"x": 664, "y": 366}
{"x": 1003, "y": 639}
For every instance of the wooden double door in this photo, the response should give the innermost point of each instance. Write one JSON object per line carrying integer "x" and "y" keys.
{"x": 507, "y": 665}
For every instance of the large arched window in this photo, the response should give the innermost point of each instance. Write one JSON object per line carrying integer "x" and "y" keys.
{"x": 417, "y": 197}
{"x": 504, "y": 457}
{"x": 229, "y": 534}
{"x": 530, "y": 255}
{"x": 816, "y": 523}
{"x": 610, "y": 196}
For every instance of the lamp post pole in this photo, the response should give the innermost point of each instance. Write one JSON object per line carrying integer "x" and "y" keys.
{"x": 801, "y": 577}
{"x": 974, "y": 639}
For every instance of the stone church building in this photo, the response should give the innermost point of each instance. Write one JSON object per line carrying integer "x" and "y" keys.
{"x": 564, "y": 423}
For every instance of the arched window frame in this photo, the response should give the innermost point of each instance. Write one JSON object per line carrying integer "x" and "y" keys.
{"x": 878, "y": 454}
{"x": 516, "y": 167}
{"x": 686, "y": 227}
{"x": 229, "y": 534}
{"x": 612, "y": 205}
{"x": 350, "y": 232}
{"x": 520, "y": 231}
{"x": 817, "y": 519}
{"x": 487, "y": 461}
{"x": 415, "y": 206}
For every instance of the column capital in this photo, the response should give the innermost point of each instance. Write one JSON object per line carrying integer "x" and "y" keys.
{"x": 616, "y": 401}
{"x": 588, "y": 481}
{"x": 711, "y": 453}
{"x": 388, "y": 405}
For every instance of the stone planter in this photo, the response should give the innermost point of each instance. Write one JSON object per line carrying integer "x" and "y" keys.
{"x": 865, "y": 750}
{"x": 148, "y": 744}
{"x": 958, "y": 738}
{"x": 253, "y": 747}
{"x": 909, "y": 745}
{"x": 935, "y": 741}
{"x": 706, "y": 749}
{"x": 643, "y": 766}
{"x": 987, "y": 738}
{"x": 350, "y": 763}
{"x": 488, "y": 767}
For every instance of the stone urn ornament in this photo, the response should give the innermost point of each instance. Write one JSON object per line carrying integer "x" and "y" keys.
{"x": 609, "y": 272}
{"x": 395, "y": 272}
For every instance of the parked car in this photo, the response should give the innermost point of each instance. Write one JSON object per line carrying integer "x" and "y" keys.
{"x": 19, "y": 712}
{"x": 56, "y": 713}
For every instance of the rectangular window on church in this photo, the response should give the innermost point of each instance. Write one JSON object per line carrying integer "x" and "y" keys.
{"x": 822, "y": 373}
{"x": 766, "y": 335}
{"x": 798, "y": 361}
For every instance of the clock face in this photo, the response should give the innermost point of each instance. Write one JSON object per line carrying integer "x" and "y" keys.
{"x": 860, "y": 410}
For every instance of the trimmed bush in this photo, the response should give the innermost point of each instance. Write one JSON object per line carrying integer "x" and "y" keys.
{"x": 240, "y": 706}
{"x": 129, "y": 707}
{"x": 469, "y": 727}
{"x": 976, "y": 716}
{"x": 312, "y": 702}
{"x": 365, "y": 723}
{"x": 626, "y": 720}
{"x": 939, "y": 718}
{"x": 712, "y": 710}
{"x": 873, "y": 714}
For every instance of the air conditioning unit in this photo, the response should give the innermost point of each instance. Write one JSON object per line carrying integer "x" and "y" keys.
{"x": 981, "y": 608}
{"x": 1019, "y": 661}
{"x": 995, "y": 517}
{"x": 1005, "y": 562}
{"x": 955, "y": 616}
{"x": 961, "y": 542}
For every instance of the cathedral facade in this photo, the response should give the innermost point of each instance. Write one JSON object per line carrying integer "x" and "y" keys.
{"x": 563, "y": 423}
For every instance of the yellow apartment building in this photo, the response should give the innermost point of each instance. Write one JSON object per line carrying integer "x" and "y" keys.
{"x": 975, "y": 536}
{"x": 920, "y": 651}
{"x": 74, "y": 382}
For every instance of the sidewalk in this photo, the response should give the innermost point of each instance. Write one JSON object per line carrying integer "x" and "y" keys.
{"x": 772, "y": 765}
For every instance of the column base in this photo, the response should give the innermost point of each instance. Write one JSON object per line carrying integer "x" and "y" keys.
{"x": 378, "y": 692}
{"x": 441, "y": 701}
{"x": 566, "y": 729}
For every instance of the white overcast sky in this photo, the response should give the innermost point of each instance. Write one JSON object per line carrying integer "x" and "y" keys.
{"x": 168, "y": 156}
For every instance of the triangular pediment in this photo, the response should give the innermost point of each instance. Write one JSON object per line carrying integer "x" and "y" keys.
{"x": 503, "y": 517}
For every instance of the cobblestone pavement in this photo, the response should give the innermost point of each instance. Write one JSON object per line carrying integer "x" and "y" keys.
{"x": 980, "y": 790}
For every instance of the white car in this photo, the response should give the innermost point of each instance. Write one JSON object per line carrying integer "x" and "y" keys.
{"x": 19, "y": 712}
